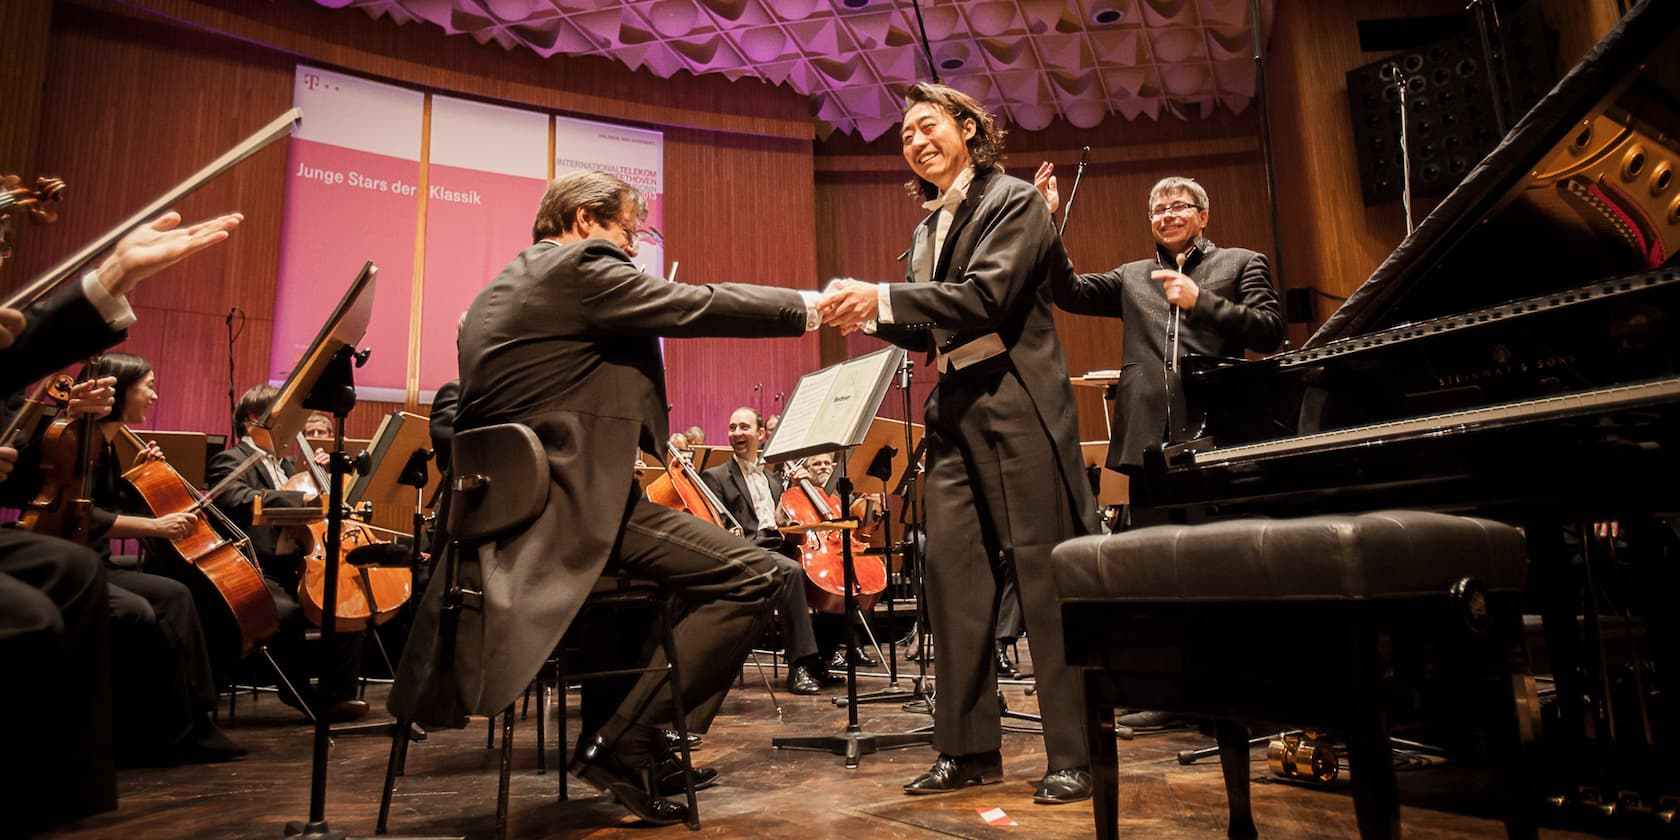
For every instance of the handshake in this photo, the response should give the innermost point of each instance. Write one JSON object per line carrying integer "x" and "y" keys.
{"x": 848, "y": 304}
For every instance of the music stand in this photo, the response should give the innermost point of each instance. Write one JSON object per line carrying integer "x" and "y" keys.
{"x": 829, "y": 411}
{"x": 381, "y": 467}
{"x": 883, "y": 456}
{"x": 324, "y": 381}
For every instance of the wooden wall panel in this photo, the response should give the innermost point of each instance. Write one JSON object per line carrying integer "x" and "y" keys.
{"x": 24, "y": 29}
{"x": 421, "y": 54}
{"x": 136, "y": 103}
{"x": 1331, "y": 240}
{"x": 739, "y": 209}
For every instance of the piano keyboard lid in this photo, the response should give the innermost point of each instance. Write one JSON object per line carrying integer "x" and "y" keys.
{"x": 1585, "y": 186}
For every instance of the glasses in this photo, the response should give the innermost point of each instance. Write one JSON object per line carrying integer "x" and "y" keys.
{"x": 1177, "y": 208}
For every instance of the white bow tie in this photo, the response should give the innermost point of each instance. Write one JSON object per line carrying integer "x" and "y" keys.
{"x": 947, "y": 200}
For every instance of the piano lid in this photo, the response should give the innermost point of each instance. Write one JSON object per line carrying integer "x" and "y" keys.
{"x": 1585, "y": 186}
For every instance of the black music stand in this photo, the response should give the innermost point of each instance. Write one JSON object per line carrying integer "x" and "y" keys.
{"x": 325, "y": 381}
{"x": 885, "y": 455}
{"x": 829, "y": 411}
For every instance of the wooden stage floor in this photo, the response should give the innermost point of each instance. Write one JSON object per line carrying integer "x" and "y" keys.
{"x": 451, "y": 786}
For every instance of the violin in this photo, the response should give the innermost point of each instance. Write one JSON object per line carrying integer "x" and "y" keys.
{"x": 226, "y": 565}
{"x": 680, "y": 487}
{"x": 63, "y": 507}
{"x": 368, "y": 595}
{"x": 822, "y": 552}
{"x": 40, "y": 201}
{"x": 52, "y": 392}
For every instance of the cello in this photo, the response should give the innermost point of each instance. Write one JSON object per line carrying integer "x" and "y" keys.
{"x": 368, "y": 594}
{"x": 680, "y": 487}
{"x": 226, "y": 565}
{"x": 808, "y": 506}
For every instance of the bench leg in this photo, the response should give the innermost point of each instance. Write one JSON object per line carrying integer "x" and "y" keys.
{"x": 1233, "y": 763}
{"x": 1376, "y": 796}
{"x": 1105, "y": 760}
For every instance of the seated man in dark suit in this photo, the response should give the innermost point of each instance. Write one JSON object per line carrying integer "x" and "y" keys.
{"x": 280, "y": 553}
{"x": 752, "y": 493}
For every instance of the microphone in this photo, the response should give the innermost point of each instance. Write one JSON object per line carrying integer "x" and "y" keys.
{"x": 229, "y": 319}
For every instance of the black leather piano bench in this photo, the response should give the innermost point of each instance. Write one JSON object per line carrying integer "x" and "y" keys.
{"x": 1344, "y": 623}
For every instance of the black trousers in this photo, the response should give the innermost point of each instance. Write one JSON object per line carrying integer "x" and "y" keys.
{"x": 54, "y": 651}
{"x": 336, "y": 671}
{"x": 161, "y": 679}
{"x": 994, "y": 493}
{"x": 727, "y": 588}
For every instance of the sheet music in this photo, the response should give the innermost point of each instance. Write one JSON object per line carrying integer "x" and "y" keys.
{"x": 802, "y": 415}
{"x": 831, "y": 408}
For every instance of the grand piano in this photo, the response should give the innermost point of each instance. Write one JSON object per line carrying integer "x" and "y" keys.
{"x": 1516, "y": 355}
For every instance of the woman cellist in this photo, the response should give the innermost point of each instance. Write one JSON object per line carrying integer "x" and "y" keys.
{"x": 162, "y": 686}
{"x": 281, "y": 555}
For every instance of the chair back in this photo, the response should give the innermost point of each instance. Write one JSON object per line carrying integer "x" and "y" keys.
{"x": 499, "y": 481}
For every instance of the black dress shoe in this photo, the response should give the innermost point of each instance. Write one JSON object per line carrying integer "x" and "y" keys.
{"x": 829, "y": 679}
{"x": 345, "y": 711}
{"x": 673, "y": 741}
{"x": 956, "y": 772}
{"x": 865, "y": 659}
{"x": 1059, "y": 787}
{"x": 669, "y": 771}
{"x": 633, "y": 786}
{"x": 801, "y": 681}
{"x": 1006, "y": 670}
{"x": 1148, "y": 721}
{"x": 205, "y": 744}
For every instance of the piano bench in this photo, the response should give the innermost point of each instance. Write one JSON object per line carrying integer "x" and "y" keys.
{"x": 1339, "y": 622}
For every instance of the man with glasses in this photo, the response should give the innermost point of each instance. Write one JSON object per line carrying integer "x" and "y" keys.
{"x": 1225, "y": 303}
{"x": 565, "y": 340}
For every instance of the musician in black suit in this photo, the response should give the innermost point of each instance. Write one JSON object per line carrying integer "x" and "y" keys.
{"x": 280, "y": 553}
{"x": 1224, "y": 296}
{"x": 54, "y": 613}
{"x": 1005, "y": 478}
{"x": 752, "y": 492}
{"x": 565, "y": 341}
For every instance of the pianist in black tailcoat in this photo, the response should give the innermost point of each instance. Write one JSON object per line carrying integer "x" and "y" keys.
{"x": 1225, "y": 296}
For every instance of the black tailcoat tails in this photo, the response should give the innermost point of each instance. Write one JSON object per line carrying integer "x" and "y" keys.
{"x": 565, "y": 341}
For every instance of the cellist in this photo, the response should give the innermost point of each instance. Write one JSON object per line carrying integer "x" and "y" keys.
{"x": 280, "y": 554}
{"x": 162, "y": 685}
{"x": 750, "y": 491}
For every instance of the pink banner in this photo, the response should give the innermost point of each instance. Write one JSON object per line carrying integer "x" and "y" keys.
{"x": 344, "y": 207}
{"x": 476, "y": 222}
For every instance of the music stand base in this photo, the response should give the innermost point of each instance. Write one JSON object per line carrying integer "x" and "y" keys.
{"x": 853, "y": 744}
{"x": 890, "y": 694}
{"x": 313, "y": 831}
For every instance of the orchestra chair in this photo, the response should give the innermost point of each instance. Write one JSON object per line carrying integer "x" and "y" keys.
{"x": 1343, "y": 622}
{"x": 497, "y": 483}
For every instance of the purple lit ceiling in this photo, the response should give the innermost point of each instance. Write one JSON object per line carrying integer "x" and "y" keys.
{"x": 1030, "y": 61}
